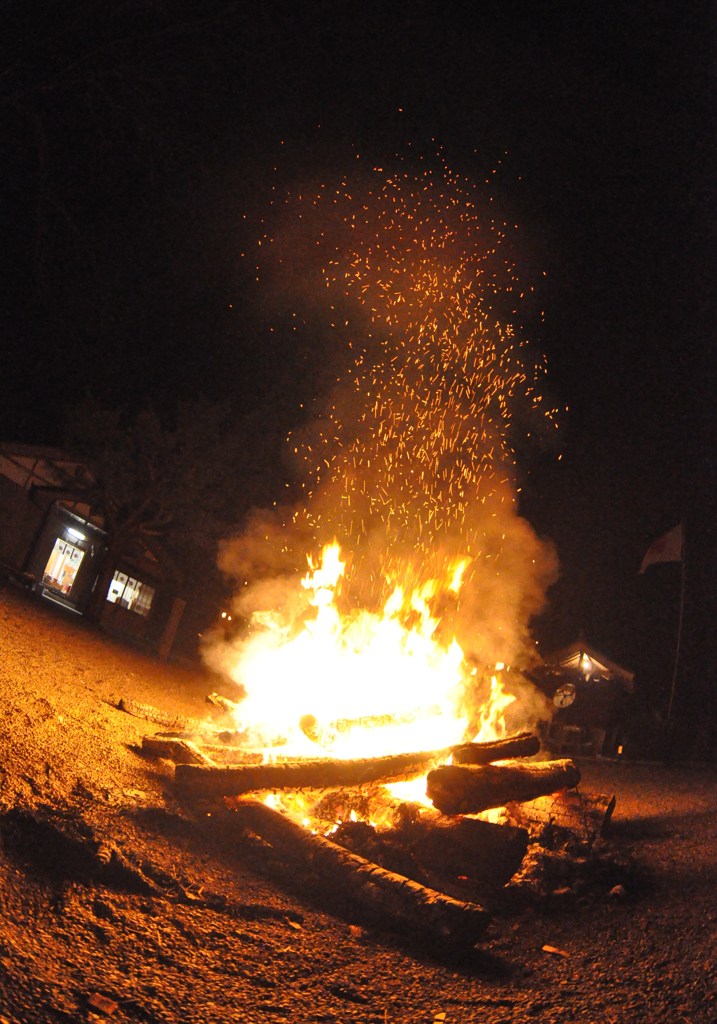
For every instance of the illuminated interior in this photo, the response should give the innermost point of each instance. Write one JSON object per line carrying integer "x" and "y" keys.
{"x": 62, "y": 566}
{"x": 131, "y": 594}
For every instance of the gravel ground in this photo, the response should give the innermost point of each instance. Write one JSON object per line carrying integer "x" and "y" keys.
{"x": 119, "y": 904}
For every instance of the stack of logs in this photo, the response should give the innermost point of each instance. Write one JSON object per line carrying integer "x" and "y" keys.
{"x": 480, "y": 776}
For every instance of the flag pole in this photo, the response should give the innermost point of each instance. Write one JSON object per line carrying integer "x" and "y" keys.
{"x": 680, "y": 618}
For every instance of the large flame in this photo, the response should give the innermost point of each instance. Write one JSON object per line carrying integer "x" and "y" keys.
{"x": 363, "y": 683}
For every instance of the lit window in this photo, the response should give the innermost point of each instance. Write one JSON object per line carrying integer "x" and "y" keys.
{"x": 62, "y": 566}
{"x": 131, "y": 594}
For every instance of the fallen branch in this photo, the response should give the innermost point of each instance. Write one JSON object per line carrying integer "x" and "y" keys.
{"x": 392, "y": 899}
{"x": 467, "y": 789}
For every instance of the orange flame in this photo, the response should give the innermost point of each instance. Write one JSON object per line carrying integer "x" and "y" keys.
{"x": 360, "y": 684}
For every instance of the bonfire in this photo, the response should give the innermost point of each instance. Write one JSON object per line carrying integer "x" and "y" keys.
{"x": 380, "y": 693}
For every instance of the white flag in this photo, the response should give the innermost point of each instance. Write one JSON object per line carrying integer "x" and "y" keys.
{"x": 667, "y": 548}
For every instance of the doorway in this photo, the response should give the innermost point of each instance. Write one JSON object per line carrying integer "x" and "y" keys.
{"x": 62, "y": 565}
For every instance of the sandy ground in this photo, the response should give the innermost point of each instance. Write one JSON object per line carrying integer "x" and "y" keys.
{"x": 118, "y": 903}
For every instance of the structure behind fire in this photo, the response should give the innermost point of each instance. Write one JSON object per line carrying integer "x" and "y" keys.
{"x": 590, "y": 694}
{"x": 54, "y": 544}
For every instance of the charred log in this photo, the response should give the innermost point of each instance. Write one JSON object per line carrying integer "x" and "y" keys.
{"x": 467, "y": 789}
{"x": 455, "y": 855}
{"x": 61, "y": 846}
{"x": 523, "y": 744}
{"x": 485, "y": 854}
{"x": 212, "y": 782}
{"x": 204, "y": 782}
{"x": 393, "y": 900}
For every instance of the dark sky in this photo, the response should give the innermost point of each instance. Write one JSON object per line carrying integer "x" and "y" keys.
{"x": 138, "y": 134}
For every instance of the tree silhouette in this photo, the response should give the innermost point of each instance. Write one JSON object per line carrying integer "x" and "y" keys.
{"x": 168, "y": 487}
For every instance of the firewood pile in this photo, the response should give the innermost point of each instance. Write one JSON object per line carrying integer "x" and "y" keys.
{"x": 422, "y": 870}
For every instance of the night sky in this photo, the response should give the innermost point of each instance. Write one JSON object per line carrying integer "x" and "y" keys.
{"x": 141, "y": 143}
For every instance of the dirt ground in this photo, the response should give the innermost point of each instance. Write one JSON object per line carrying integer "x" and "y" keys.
{"x": 118, "y": 903}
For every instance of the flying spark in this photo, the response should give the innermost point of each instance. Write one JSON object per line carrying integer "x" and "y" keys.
{"x": 422, "y": 430}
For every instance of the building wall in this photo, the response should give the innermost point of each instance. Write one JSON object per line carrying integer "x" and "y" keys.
{"x": 92, "y": 544}
{"x": 20, "y": 521}
{"x": 38, "y": 507}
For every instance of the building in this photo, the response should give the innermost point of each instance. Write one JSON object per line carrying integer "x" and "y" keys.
{"x": 590, "y": 694}
{"x": 52, "y": 544}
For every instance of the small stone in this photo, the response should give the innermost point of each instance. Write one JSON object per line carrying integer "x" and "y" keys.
{"x": 96, "y": 1001}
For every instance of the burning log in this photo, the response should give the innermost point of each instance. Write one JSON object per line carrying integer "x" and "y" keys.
{"x": 384, "y": 895}
{"x": 467, "y": 789}
{"x": 207, "y": 782}
{"x": 200, "y": 782}
{"x": 523, "y": 744}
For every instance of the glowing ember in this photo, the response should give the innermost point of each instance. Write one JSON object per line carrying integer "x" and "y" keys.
{"x": 436, "y": 385}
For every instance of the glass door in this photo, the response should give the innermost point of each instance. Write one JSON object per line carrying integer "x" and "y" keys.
{"x": 62, "y": 566}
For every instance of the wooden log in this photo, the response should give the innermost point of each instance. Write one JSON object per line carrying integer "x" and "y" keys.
{"x": 149, "y": 713}
{"x": 585, "y": 815}
{"x": 206, "y": 783}
{"x": 395, "y": 901}
{"x": 452, "y": 854}
{"x": 225, "y": 753}
{"x": 221, "y": 754}
{"x": 523, "y": 744}
{"x": 219, "y": 701}
{"x": 485, "y": 853}
{"x": 175, "y": 748}
{"x": 468, "y": 789}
